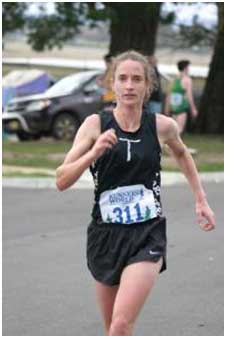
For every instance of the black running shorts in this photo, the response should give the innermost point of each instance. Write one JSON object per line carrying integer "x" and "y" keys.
{"x": 111, "y": 247}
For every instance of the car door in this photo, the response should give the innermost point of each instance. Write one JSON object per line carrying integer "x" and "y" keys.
{"x": 90, "y": 98}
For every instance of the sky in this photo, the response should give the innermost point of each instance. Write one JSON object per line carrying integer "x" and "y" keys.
{"x": 206, "y": 13}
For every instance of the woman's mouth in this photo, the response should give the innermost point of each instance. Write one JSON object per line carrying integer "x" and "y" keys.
{"x": 129, "y": 96}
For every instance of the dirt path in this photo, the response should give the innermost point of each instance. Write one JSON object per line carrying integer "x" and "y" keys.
{"x": 164, "y": 55}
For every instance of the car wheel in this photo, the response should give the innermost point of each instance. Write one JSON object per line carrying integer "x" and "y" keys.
{"x": 36, "y": 137}
{"x": 23, "y": 136}
{"x": 65, "y": 127}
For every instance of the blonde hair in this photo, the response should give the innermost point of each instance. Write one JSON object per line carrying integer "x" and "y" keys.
{"x": 149, "y": 73}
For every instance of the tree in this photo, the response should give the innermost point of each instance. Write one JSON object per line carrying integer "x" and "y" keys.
{"x": 211, "y": 118}
{"x": 132, "y": 26}
{"x": 48, "y": 31}
{"x": 13, "y": 16}
{"x": 131, "y": 22}
{"x": 128, "y": 23}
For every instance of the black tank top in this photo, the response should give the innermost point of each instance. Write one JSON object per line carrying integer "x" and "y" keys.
{"x": 128, "y": 174}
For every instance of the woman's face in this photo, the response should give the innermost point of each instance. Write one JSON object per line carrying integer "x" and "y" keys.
{"x": 129, "y": 83}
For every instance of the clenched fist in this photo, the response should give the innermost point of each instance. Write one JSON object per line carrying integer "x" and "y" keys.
{"x": 105, "y": 141}
{"x": 205, "y": 216}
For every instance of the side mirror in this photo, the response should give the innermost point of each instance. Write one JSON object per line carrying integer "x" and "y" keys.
{"x": 88, "y": 91}
{"x": 94, "y": 89}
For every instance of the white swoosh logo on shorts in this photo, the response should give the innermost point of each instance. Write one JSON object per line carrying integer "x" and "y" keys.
{"x": 154, "y": 252}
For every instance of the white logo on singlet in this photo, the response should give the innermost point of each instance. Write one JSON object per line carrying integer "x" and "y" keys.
{"x": 128, "y": 146}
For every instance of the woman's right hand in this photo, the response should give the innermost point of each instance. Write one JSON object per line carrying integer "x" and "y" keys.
{"x": 104, "y": 141}
{"x": 194, "y": 112}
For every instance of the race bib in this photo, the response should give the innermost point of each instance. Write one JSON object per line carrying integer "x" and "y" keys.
{"x": 127, "y": 205}
{"x": 176, "y": 99}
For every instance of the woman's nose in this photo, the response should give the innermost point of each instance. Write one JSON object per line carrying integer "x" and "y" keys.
{"x": 129, "y": 83}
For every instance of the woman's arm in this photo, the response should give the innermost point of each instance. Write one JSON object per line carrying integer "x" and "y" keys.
{"x": 169, "y": 131}
{"x": 187, "y": 84}
{"x": 88, "y": 145}
{"x": 167, "y": 105}
{"x": 79, "y": 157}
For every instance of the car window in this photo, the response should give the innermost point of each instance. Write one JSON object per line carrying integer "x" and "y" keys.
{"x": 70, "y": 83}
{"x": 92, "y": 86}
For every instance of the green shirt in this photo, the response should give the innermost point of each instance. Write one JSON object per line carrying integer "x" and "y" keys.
{"x": 178, "y": 100}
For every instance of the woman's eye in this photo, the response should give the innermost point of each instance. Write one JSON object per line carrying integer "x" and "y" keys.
{"x": 137, "y": 79}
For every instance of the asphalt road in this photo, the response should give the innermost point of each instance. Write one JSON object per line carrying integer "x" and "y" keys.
{"x": 48, "y": 290}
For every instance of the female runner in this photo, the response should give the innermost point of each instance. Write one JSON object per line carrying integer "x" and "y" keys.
{"x": 126, "y": 243}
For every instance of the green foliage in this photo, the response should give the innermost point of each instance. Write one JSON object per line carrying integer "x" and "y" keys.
{"x": 18, "y": 173}
{"x": 13, "y": 16}
{"x": 41, "y": 147}
{"x": 97, "y": 13}
{"x": 48, "y": 31}
{"x": 168, "y": 18}
{"x": 197, "y": 34}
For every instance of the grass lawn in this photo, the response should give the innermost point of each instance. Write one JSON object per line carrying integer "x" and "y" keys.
{"x": 48, "y": 153}
{"x": 26, "y": 175}
{"x": 45, "y": 153}
{"x": 41, "y": 147}
{"x": 209, "y": 157}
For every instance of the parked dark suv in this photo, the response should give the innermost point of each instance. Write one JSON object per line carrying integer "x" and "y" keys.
{"x": 58, "y": 112}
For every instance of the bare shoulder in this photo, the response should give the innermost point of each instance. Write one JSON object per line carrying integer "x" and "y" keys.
{"x": 89, "y": 129}
{"x": 92, "y": 121}
{"x": 186, "y": 81}
{"x": 84, "y": 138}
{"x": 166, "y": 128}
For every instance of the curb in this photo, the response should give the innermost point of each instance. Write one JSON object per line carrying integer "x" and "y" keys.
{"x": 86, "y": 182}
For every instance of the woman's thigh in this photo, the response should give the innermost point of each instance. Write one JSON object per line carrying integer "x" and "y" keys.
{"x": 136, "y": 283}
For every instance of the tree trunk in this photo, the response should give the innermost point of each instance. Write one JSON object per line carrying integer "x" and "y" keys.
{"x": 211, "y": 118}
{"x": 134, "y": 27}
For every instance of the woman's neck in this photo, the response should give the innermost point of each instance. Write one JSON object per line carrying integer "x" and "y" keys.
{"x": 128, "y": 117}
{"x": 183, "y": 74}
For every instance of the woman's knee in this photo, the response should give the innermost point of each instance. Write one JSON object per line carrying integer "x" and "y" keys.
{"x": 120, "y": 326}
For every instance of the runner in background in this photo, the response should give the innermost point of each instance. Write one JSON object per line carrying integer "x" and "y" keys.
{"x": 108, "y": 96}
{"x": 155, "y": 102}
{"x": 181, "y": 98}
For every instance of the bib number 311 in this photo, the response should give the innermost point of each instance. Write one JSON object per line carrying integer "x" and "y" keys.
{"x": 124, "y": 215}
{"x": 127, "y": 205}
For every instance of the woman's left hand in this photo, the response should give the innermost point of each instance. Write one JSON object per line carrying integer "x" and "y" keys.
{"x": 205, "y": 216}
